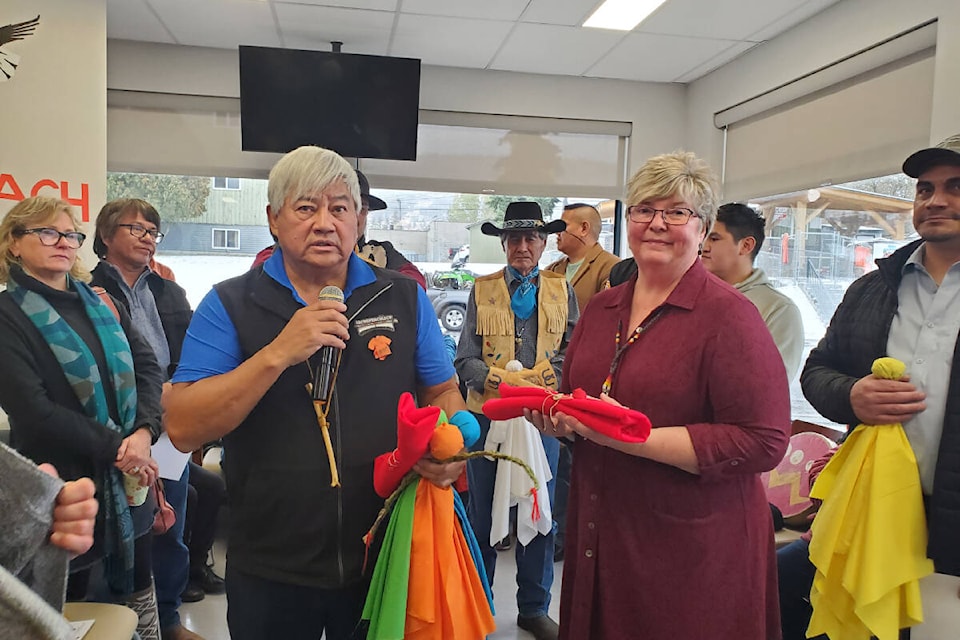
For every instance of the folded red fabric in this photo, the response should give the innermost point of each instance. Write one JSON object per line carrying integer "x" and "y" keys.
{"x": 619, "y": 423}
{"x": 415, "y": 427}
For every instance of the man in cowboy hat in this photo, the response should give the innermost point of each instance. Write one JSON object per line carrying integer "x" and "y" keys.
{"x": 524, "y": 314}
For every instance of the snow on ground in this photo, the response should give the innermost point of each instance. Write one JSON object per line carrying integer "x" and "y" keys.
{"x": 197, "y": 273}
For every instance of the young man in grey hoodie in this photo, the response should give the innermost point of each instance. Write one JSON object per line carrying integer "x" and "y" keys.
{"x": 729, "y": 252}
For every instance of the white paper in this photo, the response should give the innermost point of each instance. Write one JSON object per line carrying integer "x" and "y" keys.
{"x": 171, "y": 460}
{"x": 80, "y": 628}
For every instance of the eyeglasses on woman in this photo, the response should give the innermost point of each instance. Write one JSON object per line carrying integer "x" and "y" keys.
{"x": 50, "y": 237}
{"x": 674, "y": 216}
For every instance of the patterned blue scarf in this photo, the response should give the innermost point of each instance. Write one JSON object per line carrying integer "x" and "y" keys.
{"x": 82, "y": 373}
{"x": 524, "y": 299}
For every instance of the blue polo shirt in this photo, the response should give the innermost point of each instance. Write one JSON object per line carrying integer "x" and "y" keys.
{"x": 212, "y": 347}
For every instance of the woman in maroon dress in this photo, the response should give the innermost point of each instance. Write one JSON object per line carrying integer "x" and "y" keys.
{"x": 672, "y": 538}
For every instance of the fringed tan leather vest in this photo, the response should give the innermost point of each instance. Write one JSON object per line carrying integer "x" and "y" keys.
{"x": 495, "y": 323}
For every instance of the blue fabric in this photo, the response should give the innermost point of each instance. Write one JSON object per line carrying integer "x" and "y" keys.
{"x": 171, "y": 559}
{"x": 534, "y": 561}
{"x": 524, "y": 299}
{"x": 211, "y": 346}
{"x": 83, "y": 374}
{"x": 471, "y": 539}
{"x": 468, "y": 425}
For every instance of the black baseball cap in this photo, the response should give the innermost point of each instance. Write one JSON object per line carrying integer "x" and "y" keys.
{"x": 376, "y": 204}
{"x": 947, "y": 152}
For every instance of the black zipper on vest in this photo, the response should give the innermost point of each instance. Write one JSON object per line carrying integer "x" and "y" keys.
{"x": 336, "y": 408}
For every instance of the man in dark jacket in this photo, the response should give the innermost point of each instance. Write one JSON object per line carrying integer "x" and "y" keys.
{"x": 909, "y": 309}
{"x": 128, "y": 231}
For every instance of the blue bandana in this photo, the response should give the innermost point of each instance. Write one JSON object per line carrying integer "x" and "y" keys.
{"x": 524, "y": 299}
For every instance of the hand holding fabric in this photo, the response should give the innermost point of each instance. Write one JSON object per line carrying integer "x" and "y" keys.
{"x": 617, "y": 422}
{"x": 414, "y": 428}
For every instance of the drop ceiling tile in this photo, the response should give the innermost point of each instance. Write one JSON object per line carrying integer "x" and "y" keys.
{"x": 373, "y": 5}
{"x": 133, "y": 20}
{"x": 571, "y": 13}
{"x": 735, "y": 50}
{"x": 786, "y": 21}
{"x": 219, "y": 23}
{"x": 485, "y": 9}
{"x": 538, "y": 48}
{"x": 721, "y": 19}
{"x": 657, "y": 58}
{"x": 314, "y": 27}
{"x": 451, "y": 42}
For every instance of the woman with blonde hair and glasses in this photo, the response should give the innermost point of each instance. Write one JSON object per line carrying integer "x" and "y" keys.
{"x": 672, "y": 538}
{"x": 82, "y": 391}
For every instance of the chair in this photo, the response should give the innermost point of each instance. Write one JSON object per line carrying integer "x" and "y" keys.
{"x": 111, "y": 621}
{"x": 787, "y": 485}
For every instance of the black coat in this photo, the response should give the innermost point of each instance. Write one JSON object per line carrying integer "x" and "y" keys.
{"x": 47, "y": 422}
{"x": 172, "y": 305}
{"x": 857, "y": 335}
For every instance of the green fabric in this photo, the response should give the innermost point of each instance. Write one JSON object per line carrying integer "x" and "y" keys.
{"x": 386, "y": 605}
{"x": 80, "y": 368}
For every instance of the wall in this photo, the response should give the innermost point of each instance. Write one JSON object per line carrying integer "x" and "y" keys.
{"x": 54, "y": 107}
{"x": 655, "y": 111}
{"x": 839, "y": 31}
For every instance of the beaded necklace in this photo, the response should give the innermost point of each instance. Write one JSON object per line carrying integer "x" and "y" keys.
{"x": 618, "y": 353}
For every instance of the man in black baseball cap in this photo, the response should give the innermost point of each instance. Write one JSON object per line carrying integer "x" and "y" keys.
{"x": 382, "y": 254}
{"x": 909, "y": 309}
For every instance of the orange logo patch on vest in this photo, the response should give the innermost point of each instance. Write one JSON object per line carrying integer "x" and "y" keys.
{"x": 380, "y": 345}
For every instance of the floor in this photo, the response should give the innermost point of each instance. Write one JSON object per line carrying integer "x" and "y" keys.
{"x": 209, "y": 616}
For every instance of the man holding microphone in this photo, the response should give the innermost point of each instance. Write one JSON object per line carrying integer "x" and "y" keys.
{"x": 295, "y": 551}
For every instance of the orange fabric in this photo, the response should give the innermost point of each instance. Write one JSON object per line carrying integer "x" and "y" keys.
{"x": 446, "y": 600}
{"x": 446, "y": 441}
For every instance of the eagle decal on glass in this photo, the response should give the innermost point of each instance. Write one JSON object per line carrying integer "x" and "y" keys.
{"x": 9, "y": 61}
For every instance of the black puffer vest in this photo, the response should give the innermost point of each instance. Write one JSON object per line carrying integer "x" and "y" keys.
{"x": 856, "y": 337}
{"x": 287, "y": 523}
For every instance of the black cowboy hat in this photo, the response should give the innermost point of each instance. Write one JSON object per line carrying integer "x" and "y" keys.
{"x": 523, "y": 216}
{"x": 376, "y": 204}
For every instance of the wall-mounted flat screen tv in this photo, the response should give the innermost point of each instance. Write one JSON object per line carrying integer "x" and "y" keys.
{"x": 360, "y": 106}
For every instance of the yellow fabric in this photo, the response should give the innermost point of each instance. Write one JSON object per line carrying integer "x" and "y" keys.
{"x": 446, "y": 599}
{"x": 495, "y": 323}
{"x": 870, "y": 535}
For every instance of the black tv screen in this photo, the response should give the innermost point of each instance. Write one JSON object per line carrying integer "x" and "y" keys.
{"x": 360, "y": 106}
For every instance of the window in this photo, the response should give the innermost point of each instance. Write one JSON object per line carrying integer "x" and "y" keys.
{"x": 226, "y": 238}
{"x": 821, "y": 239}
{"x": 232, "y": 184}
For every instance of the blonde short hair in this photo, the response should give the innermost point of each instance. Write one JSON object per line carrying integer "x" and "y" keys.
{"x": 306, "y": 171}
{"x": 30, "y": 213}
{"x": 680, "y": 173}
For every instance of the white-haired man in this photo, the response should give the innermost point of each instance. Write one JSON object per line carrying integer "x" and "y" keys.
{"x": 295, "y": 550}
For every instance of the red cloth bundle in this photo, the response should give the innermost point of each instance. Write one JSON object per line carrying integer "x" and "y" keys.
{"x": 619, "y": 423}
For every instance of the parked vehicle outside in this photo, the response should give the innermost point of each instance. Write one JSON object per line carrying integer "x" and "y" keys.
{"x": 450, "y": 306}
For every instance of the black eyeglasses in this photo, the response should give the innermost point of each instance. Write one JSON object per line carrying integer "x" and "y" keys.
{"x": 51, "y": 237}
{"x": 140, "y": 231}
{"x": 676, "y": 216}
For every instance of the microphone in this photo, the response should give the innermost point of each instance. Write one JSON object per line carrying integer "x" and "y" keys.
{"x": 326, "y": 370}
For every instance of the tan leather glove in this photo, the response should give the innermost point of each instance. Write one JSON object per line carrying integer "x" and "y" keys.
{"x": 542, "y": 375}
{"x": 518, "y": 379}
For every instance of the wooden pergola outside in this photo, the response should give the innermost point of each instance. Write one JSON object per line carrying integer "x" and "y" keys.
{"x": 846, "y": 210}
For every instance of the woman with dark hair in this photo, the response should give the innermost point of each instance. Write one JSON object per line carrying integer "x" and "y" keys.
{"x": 82, "y": 391}
{"x": 672, "y": 537}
